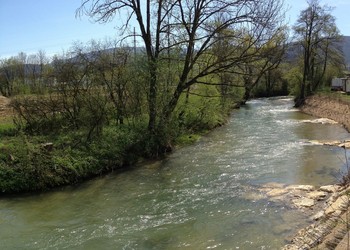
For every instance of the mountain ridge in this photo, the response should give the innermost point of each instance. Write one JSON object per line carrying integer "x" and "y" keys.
{"x": 346, "y": 49}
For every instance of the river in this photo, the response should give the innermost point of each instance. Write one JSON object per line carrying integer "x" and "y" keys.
{"x": 203, "y": 196}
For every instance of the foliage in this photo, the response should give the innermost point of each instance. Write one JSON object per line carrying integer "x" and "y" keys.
{"x": 317, "y": 35}
{"x": 30, "y": 163}
{"x": 101, "y": 106}
{"x": 7, "y": 128}
{"x": 294, "y": 77}
{"x": 24, "y": 74}
{"x": 183, "y": 34}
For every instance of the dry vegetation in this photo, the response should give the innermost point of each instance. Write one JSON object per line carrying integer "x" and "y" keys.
{"x": 5, "y": 110}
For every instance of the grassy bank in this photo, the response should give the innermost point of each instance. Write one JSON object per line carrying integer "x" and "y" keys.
{"x": 31, "y": 163}
{"x": 40, "y": 161}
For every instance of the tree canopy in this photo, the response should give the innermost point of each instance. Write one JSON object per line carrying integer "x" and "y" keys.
{"x": 192, "y": 28}
{"x": 317, "y": 33}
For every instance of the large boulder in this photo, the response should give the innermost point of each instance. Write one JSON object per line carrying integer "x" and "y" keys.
{"x": 304, "y": 202}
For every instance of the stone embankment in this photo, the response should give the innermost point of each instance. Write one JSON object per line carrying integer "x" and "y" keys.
{"x": 328, "y": 204}
{"x": 331, "y": 204}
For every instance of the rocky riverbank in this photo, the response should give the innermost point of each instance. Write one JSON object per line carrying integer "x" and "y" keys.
{"x": 331, "y": 206}
{"x": 328, "y": 206}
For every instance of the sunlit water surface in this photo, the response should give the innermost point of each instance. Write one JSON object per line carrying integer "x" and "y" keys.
{"x": 202, "y": 196}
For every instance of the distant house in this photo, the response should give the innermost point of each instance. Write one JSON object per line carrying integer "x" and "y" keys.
{"x": 341, "y": 84}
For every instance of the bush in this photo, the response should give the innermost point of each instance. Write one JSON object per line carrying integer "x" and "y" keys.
{"x": 25, "y": 166}
{"x": 30, "y": 164}
{"x": 57, "y": 113}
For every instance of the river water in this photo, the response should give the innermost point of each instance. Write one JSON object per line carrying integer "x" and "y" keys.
{"x": 204, "y": 196}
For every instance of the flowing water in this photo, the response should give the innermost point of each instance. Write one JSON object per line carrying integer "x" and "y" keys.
{"x": 203, "y": 196}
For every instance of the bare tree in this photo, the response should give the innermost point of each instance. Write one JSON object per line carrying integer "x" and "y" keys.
{"x": 191, "y": 27}
{"x": 112, "y": 69}
{"x": 12, "y": 74}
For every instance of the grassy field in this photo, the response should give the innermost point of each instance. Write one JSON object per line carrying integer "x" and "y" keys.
{"x": 337, "y": 95}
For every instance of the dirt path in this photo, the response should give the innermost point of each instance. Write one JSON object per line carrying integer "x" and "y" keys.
{"x": 5, "y": 110}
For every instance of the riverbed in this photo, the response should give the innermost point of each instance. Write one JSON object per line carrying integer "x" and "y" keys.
{"x": 203, "y": 196}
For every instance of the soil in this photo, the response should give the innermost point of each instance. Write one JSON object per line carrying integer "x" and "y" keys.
{"x": 328, "y": 107}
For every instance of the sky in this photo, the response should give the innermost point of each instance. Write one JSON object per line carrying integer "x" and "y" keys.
{"x": 51, "y": 25}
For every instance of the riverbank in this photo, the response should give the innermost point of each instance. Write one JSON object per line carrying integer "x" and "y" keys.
{"x": 328, "y": 106}
{"x": 330, "y": 229}
{"x": 35, "y": 162}
{"x": 201, "y": 196}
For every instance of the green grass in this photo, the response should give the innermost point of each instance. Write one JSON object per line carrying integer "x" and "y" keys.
{"x": 335, "y": 95}
{"x": 26, "y": 165}
{"x": 7, "y": 127}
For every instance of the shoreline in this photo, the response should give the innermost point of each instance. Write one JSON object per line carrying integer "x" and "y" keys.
{"x": 330, "y": 227}
{"x": 40, "y": 163}
{"x": 328, "y": 107}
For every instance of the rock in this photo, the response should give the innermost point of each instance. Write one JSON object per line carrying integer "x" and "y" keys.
{"x": 317, "y": 195}
{"x": 277, "y": 192}
{"x": 337, "y": 213}
{"x": 47, "y": 146}
{"x": 318, "y": 216}
{"x": 315, "y": 142}
{"x": 306, "y": 188}
{"x": 332, "y": 198}
{"x": 273, "y": 185}
{"x": 332, "y": 143}
{"x": 304, "y": 202}
{"x": 330, "y": 188}
{"x": 340, "y": 204}
{"x": 344, "y": 145}
{"x": 344, "y": 242}
{"x": 290, "y": 247}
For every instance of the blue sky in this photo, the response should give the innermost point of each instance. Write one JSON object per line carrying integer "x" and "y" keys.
{"x": 30, "y": 25}
{"x": 341, "y": 12}
{"x": 51, "y": 25}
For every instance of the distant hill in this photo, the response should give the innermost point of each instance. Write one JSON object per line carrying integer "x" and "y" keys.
{"x": 294, "y": 50}
{"x": 346, "y": 49}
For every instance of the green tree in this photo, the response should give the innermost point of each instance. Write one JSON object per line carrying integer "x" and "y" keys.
{"x": 268, "y": 58}
{"x": 191, "y": 27}
{"x": 317, "y": 34}
{"x": 12, "y": 74}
